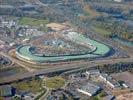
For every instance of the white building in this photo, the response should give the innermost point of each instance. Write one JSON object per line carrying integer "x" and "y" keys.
{"x": 125, "y": 85}
{"x": 8, "y": 24}
{"x": 109, "y": 80}
{"x": 118, "y": 0}
{"x": 93, "y": 72}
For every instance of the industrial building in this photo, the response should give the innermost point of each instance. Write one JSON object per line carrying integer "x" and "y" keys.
{"x": 109, "y": 80}
{"x": 89, "y": 89}
{"x": 5, "y": 90}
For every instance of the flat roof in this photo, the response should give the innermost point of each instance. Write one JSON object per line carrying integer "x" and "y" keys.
{"x": 90, "y": 88}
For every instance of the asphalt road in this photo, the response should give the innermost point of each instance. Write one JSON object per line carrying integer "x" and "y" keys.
{"x": 62, "y": 67}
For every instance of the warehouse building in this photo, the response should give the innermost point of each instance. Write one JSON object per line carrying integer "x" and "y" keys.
{"x": 89, "y": 89}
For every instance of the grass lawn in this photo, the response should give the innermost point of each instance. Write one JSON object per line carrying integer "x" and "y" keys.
{"x": 99, "y": 96}
{"x": 32, "y": 21}
{"x": 33, "y": 85}
{"x": 101, "y": 31}
{"x": 54, "y": 82}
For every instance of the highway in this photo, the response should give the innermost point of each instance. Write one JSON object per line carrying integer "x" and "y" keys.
{"x": 59, "y": 66}
{"x": 62, "y": 67}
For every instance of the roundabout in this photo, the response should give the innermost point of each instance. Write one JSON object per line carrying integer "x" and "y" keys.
{"x": 96, "y": 50}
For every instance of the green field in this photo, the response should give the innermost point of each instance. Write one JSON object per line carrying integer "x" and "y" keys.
{"x": 99, "y": 96}
{"x": 54, "y": 82}
{"x": 33, "y": 85}
{"x": 32, "y": 21}
{"x": 101, "y": 31}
